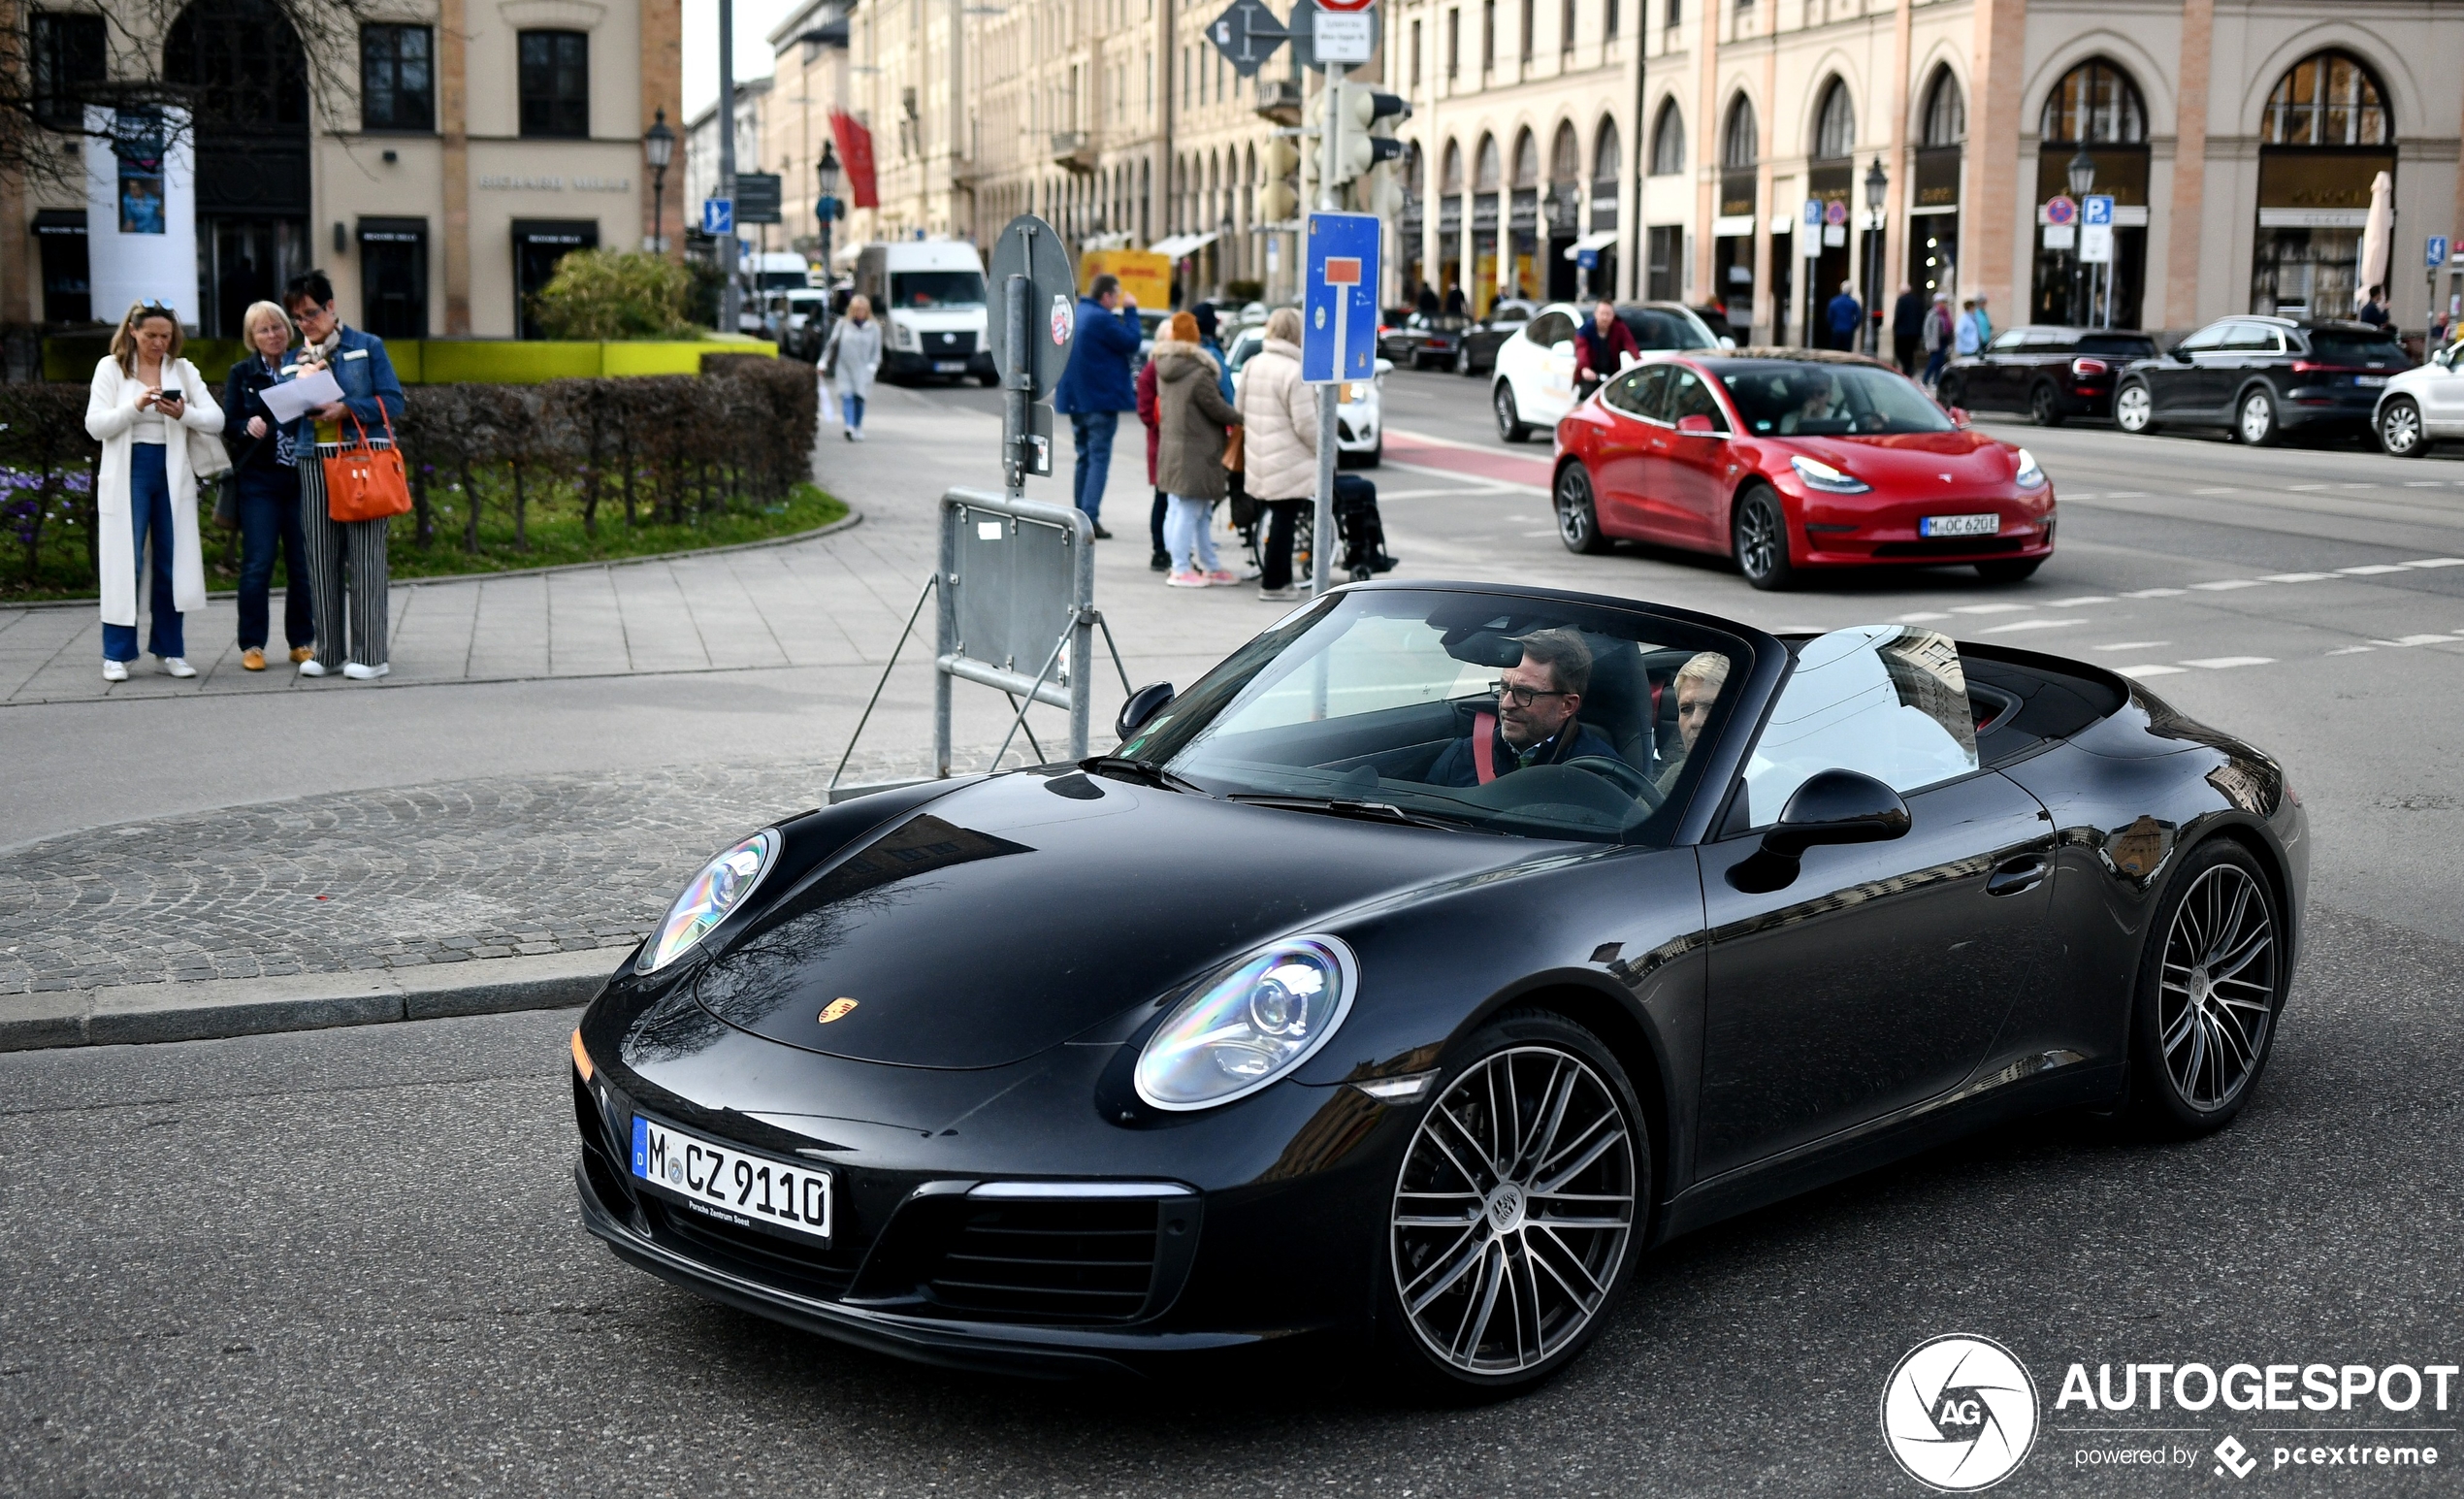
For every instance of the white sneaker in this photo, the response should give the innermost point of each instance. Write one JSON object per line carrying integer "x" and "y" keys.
{"x": 312, "y": 667}
{"x": 116, "y": 671}
{"x": 856, "y": 436}
{"x": 358, "y": 673}
{"x": 177, "y": 665}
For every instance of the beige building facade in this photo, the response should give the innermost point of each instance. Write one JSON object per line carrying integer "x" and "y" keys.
{"x": 435, "y": 172}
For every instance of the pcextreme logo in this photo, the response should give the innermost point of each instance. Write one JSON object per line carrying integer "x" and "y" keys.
{"x": 1959, "y": 1413}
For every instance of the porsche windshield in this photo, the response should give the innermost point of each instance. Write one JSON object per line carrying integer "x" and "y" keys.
{"x": 1793, "y": 398}
{"x": 1487, "y": 712}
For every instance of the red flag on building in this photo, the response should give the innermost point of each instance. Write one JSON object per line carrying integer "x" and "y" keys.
{"x": 856, "y": 155}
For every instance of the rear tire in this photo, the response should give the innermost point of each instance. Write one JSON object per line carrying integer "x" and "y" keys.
{"x": 2399, "y": 427}
{"x": 2255, "y": 419}
{"x": 1757, "y": 537}
{"x": 2009, "y": 569}
{"x": 2212, "y": 981}
{"x": 1510, "y": 418}
{"x": 2134, "y": 410}
{"x": 1578, "y": 516}
{"x": 1948, "y": 390}
{"x": 2045, "y": 406}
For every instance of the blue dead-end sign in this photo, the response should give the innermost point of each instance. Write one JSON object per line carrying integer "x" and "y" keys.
{"x": 1339, "y": 306}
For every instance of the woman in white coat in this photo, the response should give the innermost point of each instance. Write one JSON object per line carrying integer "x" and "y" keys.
{"x": 1281, "y": 451}
{"x": 852, "y": 355}
{"x": 145, "y": 404}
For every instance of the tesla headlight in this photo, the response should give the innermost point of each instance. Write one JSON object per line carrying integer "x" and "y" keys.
{"x": 724, "y": 884}
{"x": 2029, "y": 476}
{"x": 1249, "y": 1025}
{"x": 1819, "y": 474}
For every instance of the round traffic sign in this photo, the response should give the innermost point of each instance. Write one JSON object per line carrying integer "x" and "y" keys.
{"x": 1028, "y": 247}
{"x": 1344, "y": 4}
{"x": 1836, "y": 212}
{"x": 2059, "y": 210}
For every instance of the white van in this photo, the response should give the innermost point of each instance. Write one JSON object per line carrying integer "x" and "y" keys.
{"x": 929, "y": 297}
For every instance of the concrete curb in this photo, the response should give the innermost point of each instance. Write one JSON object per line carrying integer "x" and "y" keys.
{"x": 141, "y": 1014}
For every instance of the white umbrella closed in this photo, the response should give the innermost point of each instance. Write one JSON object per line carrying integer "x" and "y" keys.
{"x": 2377, "y": 233}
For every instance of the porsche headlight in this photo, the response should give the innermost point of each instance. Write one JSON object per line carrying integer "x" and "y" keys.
{"x": 1819, "y": 474}
{"x": 1249, "y": 1025}
{"x": 724, "y": 884}
{"x": 2029, "y": 476}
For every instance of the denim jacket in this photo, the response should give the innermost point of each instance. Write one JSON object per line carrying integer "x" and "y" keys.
{"x": 366, "y": 373}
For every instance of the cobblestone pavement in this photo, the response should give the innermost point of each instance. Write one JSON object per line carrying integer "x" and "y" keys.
{"x": 406, "y": 877}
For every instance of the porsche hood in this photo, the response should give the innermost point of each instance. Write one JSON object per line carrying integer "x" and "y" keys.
{"x": 1012, "y": 914}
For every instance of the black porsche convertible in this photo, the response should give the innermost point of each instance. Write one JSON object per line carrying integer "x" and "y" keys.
{"x": 1406, "y": 978}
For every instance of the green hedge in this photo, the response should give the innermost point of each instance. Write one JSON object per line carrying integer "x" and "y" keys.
{"x": 447, "y": 360}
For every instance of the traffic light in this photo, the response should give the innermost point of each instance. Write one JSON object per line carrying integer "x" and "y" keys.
{"x": 1280, "y": 201}
{"x": 1363, "y": 117}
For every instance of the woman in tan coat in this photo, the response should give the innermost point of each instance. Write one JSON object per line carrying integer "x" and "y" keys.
{"x": 1189, "y": 434}
{"x": 1280, "y": 453}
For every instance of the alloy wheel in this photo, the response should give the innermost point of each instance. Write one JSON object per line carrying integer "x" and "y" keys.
{"x": 2257, "y": 424}
{"x": 2400, "y": 430}
{"x": 1578, "y": 516}
{"x": 1509, "y": 419}
{"x": 2044, "y": 408}
{"x": 2216, "y": 994}
{"x": 2132, "y": 410}
{"x": 1514, "y": 1210}
{"x": 1761, "y": 543}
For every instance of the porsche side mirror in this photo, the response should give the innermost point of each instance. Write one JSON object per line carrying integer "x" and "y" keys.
{"x": 1143, "y": 704}
{"x": 1958, "y": 416}
{"x": 1832, "y": 807}
{"x": 1695, "y": 424}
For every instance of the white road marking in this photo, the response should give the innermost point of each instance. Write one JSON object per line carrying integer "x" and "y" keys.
{"x": 2304, "y": 488}
{"x": 2352, "y": 650}
{"x": 2356, "y": 486}
{"x": 2436, "y": 561}
{"x": 2295, "y": 577}
{"x": 2126, "y": 494}
{"x": 2032, "y": 624}
{"x": 2155, "y": 592}
{"x": 2225, "y": 491}
{"x": 2153, "y": 669}
{"x": 2369, "y": 569}
{"x": 2130, "y": 645}
{"x": 1989, "y": 609}
{"x": 1921, "y": 617}
{"x": 2070, "y": 603}
{"x": 2232, "y": 582}
{"x": 2425, "y": 483}
{"x": 2220, "y": 663}
{"x": 2419, "y": 639}
{"x": 1540, "y": 532}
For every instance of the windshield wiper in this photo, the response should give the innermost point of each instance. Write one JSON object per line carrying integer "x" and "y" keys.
{"x": 1146, "y": 770}
{"x": 1336, "y": 806}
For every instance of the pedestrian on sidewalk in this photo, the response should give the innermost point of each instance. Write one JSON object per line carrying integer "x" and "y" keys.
{"x": 1095, "y": 389}
{"x": 1278, "y": 416}
{"x": 850, "y": 360}
{"x": 1242, "y": 516}
{"x": 1907, "y": 328}
{"x": 1151, "y": 416}
{"x": 265, "y": 476}
{"x": 1937, "y": 337}
{"x": 2374, "y": 310}
{"x": 348, "y": 575}
{"x": 143, "y": 404}
{"x": 1190, "y": 455}
{"x": 1846, "y": 312}
{"x": 1982, "y": 319}
{"x": 1968, "y": 337}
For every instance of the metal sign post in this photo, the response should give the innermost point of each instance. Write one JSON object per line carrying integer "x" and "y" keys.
{"x": 1339, "y": 343}
{"x": 2095, "y": 249}
{"x": 2433, "y": 256}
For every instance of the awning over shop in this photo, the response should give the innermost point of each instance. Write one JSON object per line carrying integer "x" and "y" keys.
{"x": 1181, "y": 246}
{"x": 1598, "y": 239}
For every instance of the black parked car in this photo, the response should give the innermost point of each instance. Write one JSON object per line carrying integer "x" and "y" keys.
{"x": 2051, "y": 373}
{"x": 2260, "y": 378}
{"x": 1416, "y": 341}
{"x": 1325, "y": 1022}
{"x": 1475, "y": 346}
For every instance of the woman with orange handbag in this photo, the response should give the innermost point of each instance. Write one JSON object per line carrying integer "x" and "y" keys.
{"x": 347, "y": 557}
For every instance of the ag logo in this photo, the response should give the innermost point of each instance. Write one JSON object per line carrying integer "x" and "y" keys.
{"x": 1959, "y": 1413}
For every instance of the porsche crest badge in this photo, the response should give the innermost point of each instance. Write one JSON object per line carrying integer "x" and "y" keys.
{"x": 837, "y": 1009}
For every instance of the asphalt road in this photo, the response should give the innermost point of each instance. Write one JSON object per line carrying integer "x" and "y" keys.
{"x": 343, "y": 1262}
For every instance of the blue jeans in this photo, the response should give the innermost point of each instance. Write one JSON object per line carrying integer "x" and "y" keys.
{"x": 1933, "y": 364}
{"x": 148, "y": 511}
{"x": 270, "y": 517}
{"x": 1092, "y": 432}
{"x": 1188, "y": 534}
{"x": 854, "y": 406}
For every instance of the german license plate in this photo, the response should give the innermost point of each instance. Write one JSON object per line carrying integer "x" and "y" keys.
{"x": 2373, "y": 381}
{"x": 1960, "y": 526}
{"x": 732, "y": 1184}
{"x": 948, "y": 366}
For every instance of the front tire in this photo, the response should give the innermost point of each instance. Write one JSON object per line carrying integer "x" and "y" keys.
{"x": 2255, "y": 423}
{"x": 1757, "y": 537}
{"x": 2045, "y": 406}
{"x": 1513, "y": 1231}
{"x": 1577, "y": 515}
{"x": 2400, "y": 433}
{"x": 2134, "y": 410}
{"x": 2210, "y": 986}
{"x": 1510, "y": 418}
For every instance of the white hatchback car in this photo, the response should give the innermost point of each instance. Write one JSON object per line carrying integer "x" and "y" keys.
{"x": 1534, "y": 381}
{"x": 1360, "y": 439}
{"x": 2423, "y": 405}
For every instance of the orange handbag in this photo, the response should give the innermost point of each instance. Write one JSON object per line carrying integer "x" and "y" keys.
{"x": 366, "y": 482}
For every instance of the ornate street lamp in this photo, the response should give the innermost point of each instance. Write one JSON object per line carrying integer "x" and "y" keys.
{"x": 1877, "y": 187}
{"x": 658, "y": 147}
{"x": 2082, "y": 173}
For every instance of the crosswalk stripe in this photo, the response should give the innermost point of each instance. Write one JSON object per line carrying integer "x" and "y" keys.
{"x": 2152, "y": 668}
{"x": 2228, "y": 584}
{"x": 2220, "y": 663}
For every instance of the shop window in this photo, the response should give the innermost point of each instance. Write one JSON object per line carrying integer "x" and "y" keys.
{"x": 556, "y": 84}
{"x": 68, "y": 57}
{"x": 60, "y": 235}
{"x": 1667, "y": 141}
{"x": 1835, "y": 129}
{"x": 397, "y": 83}
{"x": 2327, "y": 99}
{"x": 2095, "y": 104}
{"x": 1740, "y": 142}
{"x": 393, "y": 274}
{"x": 1945, "y": 111}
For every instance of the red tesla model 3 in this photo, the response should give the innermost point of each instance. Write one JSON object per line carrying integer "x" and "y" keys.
{"x": 1791, "y": 460}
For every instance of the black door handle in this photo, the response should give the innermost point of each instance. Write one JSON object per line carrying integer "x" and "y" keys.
{"x": 2016, "y": 876}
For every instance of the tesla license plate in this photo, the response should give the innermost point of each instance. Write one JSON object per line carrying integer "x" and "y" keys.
{"x": 1960, "y": 526}
{"x": 732, "y": 1184}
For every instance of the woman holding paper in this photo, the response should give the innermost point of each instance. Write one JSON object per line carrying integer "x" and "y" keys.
{"x": 265, "y": 475}
{"x": 145, "y": 406}
{"x": 347, "y": 559}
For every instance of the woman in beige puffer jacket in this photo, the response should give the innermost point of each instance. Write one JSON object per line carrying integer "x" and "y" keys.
{"x": 1190, "y": 440}
{"x": 1280, "y": 453}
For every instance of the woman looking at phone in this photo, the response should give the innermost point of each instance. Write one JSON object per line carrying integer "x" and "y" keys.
{"x": 145, "y": 402}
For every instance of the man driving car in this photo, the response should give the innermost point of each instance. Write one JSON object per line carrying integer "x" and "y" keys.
{"x": 1536, "y": 721}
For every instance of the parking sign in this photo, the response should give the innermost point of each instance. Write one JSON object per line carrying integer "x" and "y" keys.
{"x": 2434, "y": 254}
{"x": 718, "y": 216}
{"x": 1338, "y": 308}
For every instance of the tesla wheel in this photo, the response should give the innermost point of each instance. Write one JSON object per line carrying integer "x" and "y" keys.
{"x": 2210, "y": 986}
{"x": 1509, "y": 419}
{"x": 2009, "y": 569}
{"x": 2400, "y": 429}
{"x": 2045, "y": 406}
{"x": 1513, "y": 1231}
{"x": 1577, "y": 517}
{"x": 2255, "y": 422}
{"x": 1759, "y": 537}
{"x": 2134, "y": 410}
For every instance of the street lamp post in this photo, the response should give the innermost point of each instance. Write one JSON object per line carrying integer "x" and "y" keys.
{"x": 658, "y": 147}
{"x": 2082, "y": 173}
{"x": 1877, "y": 185}
{"x": 826, "y": 208}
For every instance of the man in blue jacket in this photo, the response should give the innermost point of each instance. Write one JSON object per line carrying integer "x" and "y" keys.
{"x": 1096, "y": 388}
{"x": 1846, "y": 312}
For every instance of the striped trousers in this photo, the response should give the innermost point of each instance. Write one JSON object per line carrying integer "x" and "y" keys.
{"x": 346, "y": 576}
